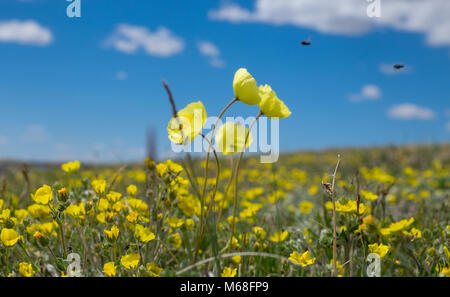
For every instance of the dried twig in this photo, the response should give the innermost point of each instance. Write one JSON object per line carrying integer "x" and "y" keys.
{"x": 172, "y": 102}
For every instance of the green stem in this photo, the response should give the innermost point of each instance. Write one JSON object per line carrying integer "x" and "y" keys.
{"x": 236, "y": 181}
{"x": 226, "y": 189}
{"x": 202, "y": 201}
{"x": 63, "y": 245}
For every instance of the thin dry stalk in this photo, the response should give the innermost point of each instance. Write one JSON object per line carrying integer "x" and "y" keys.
{"x": 334, "y": 215}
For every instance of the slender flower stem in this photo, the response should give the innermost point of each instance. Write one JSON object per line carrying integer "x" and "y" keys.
{"x": 236, "y": 181}
{"x": 31, "y": 260}
{"x": 211, "y": 203}
{"x": 226, "y": 189}
{"x": 334, "y": 216}
{"x": 63, "y": 245}
{"x": 202, "y": 202}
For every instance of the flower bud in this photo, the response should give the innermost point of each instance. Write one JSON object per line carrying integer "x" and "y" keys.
{"x": 245, "y": 87}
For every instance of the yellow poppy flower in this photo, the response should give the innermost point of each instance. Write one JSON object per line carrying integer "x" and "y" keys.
{"x": 153, "y": 269}
{"x": 230, "y": 138}
{"x": 236, "y": 259}
{"x": 306, "y": 207}
{"x": 143, "y": 234}
{"x": 113, "y": 233}
{"x": 228, "y": 272}
{"x": 26, "y": 269}
{"x": 369, "y": 195}
{"x": 175, "y": 222}
{"x": 175, "y": 240}
{"x": 113, "y": 197}
{"x": 110, "y": 269}
{"x": 9, "y": 237}
{"x": 71, "y": 167}
{"x": 130, "y": 261}
{"x": 245, "y": 87}
{"x": 304, "y": 259}
{"x": 132, "y": 190}
{"x": 270, "y": 105}
{"x": 379, "y": 249}
{"x": 279, "y": 236}
{"x": 99, "y": 186}
{"x": 188, "y": 124}
{"x": 43, "y": 195}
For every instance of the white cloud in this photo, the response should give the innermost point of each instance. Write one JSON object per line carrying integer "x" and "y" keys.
{"x": 347, "y": 17}
{"x": 368, "y": 92}
{"x": 25, "y": 32}
{"x": 160, "y": 43}
{"x": 447, "y": 113}
{"x": 35, "y": 134}
{"x": 121, "y": 75}
{"x": 409, "y": 111}
{"x": 208, "y": 49}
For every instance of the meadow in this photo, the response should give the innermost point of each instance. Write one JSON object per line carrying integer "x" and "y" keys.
{"x": 144, "y": 219}
{"x": 349, "y": 212}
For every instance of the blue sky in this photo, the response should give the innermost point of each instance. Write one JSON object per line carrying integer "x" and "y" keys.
{"x": 88, "y": 88}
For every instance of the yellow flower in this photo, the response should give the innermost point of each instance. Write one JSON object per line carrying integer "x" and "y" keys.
{"x": 112, "y": 234}
{"x": 130, "y": 261}
{"x": 175, "y": 240}
{"x": 369, "y": 195}
{"x": 153, "y": 269}
{"x": 188, "y": 123}
{"x": 175, "y": 222}
{"x": 270, "y": 105}
{"x": 43, "y": 195}
{"x": 445, "y": 271}
{"x": 71, "y": 167}
{"x": 379, "y": 249}
{"x": 132, "y": 217}
{"x": 236, "y": 259}
{"x": 21, "y": 214}
{"x": 99, "y": 186}
{"x": 113, "y": 197}
{"x": 279, "y": 236}
{"x": 228, "y": 272}
{"x": 110, "y": 269}
{"x": 313, "y": 190}
{"x": 143, "y": 234}
{"x": 306, "y": 207}
{"x": 26, "y": 270}
{"x": 190, "y": 223}
{"x": 245, "y": 87}
{"x": 446, "y": 252}
{"x": 230, "y": 138}
{"x": 259, "y": 232}
{"x": 132, "y": 190}
{"x": 38, "y": 235}
{"x": 9, "y": 237}
{"x": 368, "y": 220}
{"x": 304, "y": 259}
{"x": 76, "y": 211}
{"x": 101, "y": 217}
{"x": 416, "y": 233}
{"x": 396, "y": 226}
{"x": 5, "y": 215}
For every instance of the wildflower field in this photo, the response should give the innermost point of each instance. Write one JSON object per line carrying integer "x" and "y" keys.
{"x": 145, "y": 219}
{"x": 367, "y": 212}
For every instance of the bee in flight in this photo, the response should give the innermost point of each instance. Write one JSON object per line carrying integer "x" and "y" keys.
{"x": 398, "y": 66}
{"x": 306, "y": 42}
